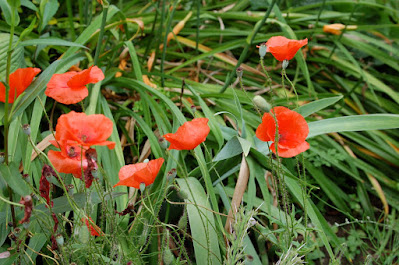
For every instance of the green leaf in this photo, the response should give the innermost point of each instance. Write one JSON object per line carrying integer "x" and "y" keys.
{"x": 29, "y": 4}
{"x": 354, "y": 123}
{"x": 317, "y": 105}
{"x": 202, "y": 223}
{"x": 62, "y": 205}
{"x": 230, "y": 149}
{"x": 51, "y": 41}
{"x": 135, "y": 61}
{"x": 8, "y": 13}
{"x": 13, "y": 178}
{"x": 17, "y": 58}
{"x": 48, "y": 8}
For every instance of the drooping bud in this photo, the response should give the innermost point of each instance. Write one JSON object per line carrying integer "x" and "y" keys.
{"x": 142, "y": 187}
{"x": 60, "y": 240}
{"x": 285, "y": 64}
{"x": 262, "y": 50}
{"x": 239, "y": 72}
{"x": 172, "y": 174}
{"x": 261, "y": 103}
{"x": 26, "y": 129}
{"x": 163, "y": 143}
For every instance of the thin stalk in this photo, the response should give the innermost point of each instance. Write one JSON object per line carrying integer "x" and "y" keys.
{"x": 6, "y": 121}
{"x": 101, "y": 35}
{"x": 246, "y": 48}
{"x": 70, "y": 19}
{"x": 168, "y": 27}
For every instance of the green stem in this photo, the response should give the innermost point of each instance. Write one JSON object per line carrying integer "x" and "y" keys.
{"x": 247, "y": 45}
{"x": 6, "y": 120}
{"x": 70, "y": 19}
{"x": 101, "y": 35}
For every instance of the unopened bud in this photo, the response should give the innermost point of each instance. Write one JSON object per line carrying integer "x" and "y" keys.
{"x": 2, "y": 157}
{"x": 142, "y": 187}
{"x": 239, "y": 72}
{"x": 26, "y": 129}
{"x": 163, "y": 143}
{"x": 60, "y": 240}
{"x": 285, "y": 64}
{"x": 146, "y": 160}
{"x": 262, "y": 50}
{"x": 193, "y": 108}
{"x": 261, "y": 103}
{"x": 70, "y": 188}
{"x": 83, "y": 234}
{"x": 172, "y": 174}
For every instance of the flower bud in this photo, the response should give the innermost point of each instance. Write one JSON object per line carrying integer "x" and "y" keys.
{"x": 83, "y": 234}
{"x": 163, "y": 143}
{"x": 239, "y": 72}
{"x": 26, "y": 129}
{"x": 142, "y": 187}
{"x": 261, "y": 103}
{"x": 2, "y": 157}
{"x": 60, "y": 240}
{"x": 172, "y": 174}
{"x": 146, "y": 160}
{"x": 262, "y": 50}
{"x": 285, "y": 64}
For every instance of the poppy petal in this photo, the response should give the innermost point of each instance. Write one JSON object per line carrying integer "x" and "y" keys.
{"x": 292, "y": 127}
{"x": 290, "y": 152}
{"x": 189, "y": 135}
{"x": 58, "y": 89}
{"x": 65, "y": 164}
{"x": 88, "y": 76}
{"x": 86, "y": 130}
{"x": 94, "y": 229}
{"x": 283, "y": 48}
{"x": 19, "y": 81}
{"x": 134, "y": 175}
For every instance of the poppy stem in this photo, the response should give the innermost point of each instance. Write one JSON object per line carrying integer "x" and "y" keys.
{"x": 6, "y": 120}
{"x": 101, "y": 34}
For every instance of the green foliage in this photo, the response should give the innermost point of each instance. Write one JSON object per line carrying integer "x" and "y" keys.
{"x": 333, "y": 204}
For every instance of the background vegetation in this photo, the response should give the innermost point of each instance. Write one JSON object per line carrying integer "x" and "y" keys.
{"x": 334, "y": 204}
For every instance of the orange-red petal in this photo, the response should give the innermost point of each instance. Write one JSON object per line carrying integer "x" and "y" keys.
{"x": 292, "y": 130}
{"x": 134, "y": 175}
{"x": 86, "y": 130}
{"x": 58, "y": 89}
{"x": 64, "y": 164}
{"x": 19, "y": 81}
{"x": 189, "y": 135}
{"x": 70, "y": 87}
{"x": 88, "y": 76}
{"x": 94, "y": 229}
{"x": 283, "y": 48}
{"x": 290, "y": 152}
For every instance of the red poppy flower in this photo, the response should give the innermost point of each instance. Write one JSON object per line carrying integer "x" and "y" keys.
{"x": 283, "y": 48}
{"x": 189, "y": 135}
{"x": 94, "y": 229}
{"x": 70, "y": 160}
{"x": 84, "y": 130}
{"x": 292, "y": 130}
{"x": 70, "y": 87}
{"x": 134, "y": 175}
{"x": 19, "y": 81}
